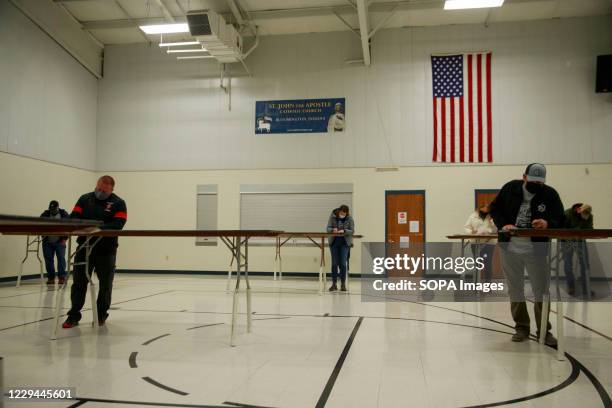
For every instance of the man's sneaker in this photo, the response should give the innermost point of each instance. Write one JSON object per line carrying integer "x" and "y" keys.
{"x": 333, "y": 287}
{"x": 550, "y": 340}
{"x": 520, "y": 336}
{"x": 61, "y": 281}
{"x": 101, "y": 322}
{"x": 69, "y": 324}
{"x": 51, "y": 281}
{"x": 343, "y": 287}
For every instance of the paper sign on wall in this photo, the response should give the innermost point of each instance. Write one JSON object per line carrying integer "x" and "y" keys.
{"x": 404, "y": 242}
{"x": 402, "y": 217}
{"x": 414, "y": 226}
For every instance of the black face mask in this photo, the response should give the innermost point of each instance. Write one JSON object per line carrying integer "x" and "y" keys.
{"x": 533, "y": 188}
{"x": 54, "y": 212}
{"x": 483, "y": 214}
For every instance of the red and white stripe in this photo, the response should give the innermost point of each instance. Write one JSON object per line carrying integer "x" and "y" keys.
{"x": 462, "y": 125}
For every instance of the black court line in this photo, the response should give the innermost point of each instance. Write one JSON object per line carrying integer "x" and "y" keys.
{"x": 133, "y": 359}
{"x": 334, "y": 375}
{"x": 326, "y": 315}
{"x": 31, "y": 307}
{"x": 25, "y": 324}
{"x": 153, "y": 404}
{"x": 204, "y": 325}
{"x": 239, "y": 405}
{"x": 274, "y": 318}
{"x": 568, "y": 381}
{"x": 155, "y": 338}
{"x": 142, "y": 297}
{"x": 164, "y": 387}
{"x": 601, "y": 390}
{"x": 78, "y": 404}
{"x": 21, "y": 294}
{"x": 586, "y": 327}
{"x": 580, "y": 324}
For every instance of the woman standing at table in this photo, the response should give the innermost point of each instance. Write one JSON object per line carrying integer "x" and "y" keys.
{"x": 481, "y": 223}
{"x": 340, "y": 222}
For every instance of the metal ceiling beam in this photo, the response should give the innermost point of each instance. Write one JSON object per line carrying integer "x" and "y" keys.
{"x": 362, "y": 12}
{"x": 235, "y": 11}
{"x": 124, "y": 11}
{"x": 124, "y": 23}
{"x": 169, "y": 17}
{"x": 346, "y": 23}
{"x": 260, "y": 15}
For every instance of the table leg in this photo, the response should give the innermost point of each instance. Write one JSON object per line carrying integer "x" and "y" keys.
{"x": 322, "y": 277}
{"x": 229, "y": 274}
{"x": 560, "y": 331}
{"x": 248, "y": 285}
{"x": 276, "y": 253}
{"x": 1, "y": 382}
{"x": 544, "y": 320}
{"x": 236, "y": 251}
{"x": 40, "y": 262}
{"x": 92, "y": 285}
{"x": 587, "y": 270}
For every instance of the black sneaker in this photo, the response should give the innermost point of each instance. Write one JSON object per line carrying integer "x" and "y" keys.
{"x": 343, "y": 287}
{"x": 51, "y": 281}
{"x": 333, "y": 287}
{"x": 520, "y": 336}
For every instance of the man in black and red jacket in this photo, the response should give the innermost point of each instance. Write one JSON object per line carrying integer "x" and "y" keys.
{"x": 103, "y": 205}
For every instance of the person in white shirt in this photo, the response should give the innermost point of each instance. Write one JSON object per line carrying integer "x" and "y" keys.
{"x": 480, "y": 223}
{"x": 336, "y": 120}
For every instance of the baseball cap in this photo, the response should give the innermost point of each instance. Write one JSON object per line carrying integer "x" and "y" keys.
{"x": 53, "y": 205}
{"x": 536, "y": 172}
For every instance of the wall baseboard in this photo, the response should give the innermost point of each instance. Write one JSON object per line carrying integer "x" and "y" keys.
{"x": 222, "y": 273}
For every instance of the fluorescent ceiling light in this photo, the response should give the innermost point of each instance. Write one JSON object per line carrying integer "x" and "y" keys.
{"x": 178, "y": 44}
{"x": 165, "y": 28}
{"x": 469, "y": 4}
{"x": 187, "y": 50}
{"x": 195, "y": 57}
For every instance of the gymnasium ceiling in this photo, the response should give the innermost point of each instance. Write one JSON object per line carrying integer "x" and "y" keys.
{"x": 117, "y": 21}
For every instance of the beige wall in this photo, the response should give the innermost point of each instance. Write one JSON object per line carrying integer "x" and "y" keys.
{"x": 167, "y": 200}
{"x": 27, "y": 186}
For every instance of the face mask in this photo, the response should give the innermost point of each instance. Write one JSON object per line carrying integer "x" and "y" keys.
{"x": 483, "y": 214}
{"x": 533, "y": 188}
{"x": 100, "y": 195}
{"x": 54, "y": 212}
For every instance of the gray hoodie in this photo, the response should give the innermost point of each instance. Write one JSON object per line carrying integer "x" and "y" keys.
{"x": 347, "y": 224}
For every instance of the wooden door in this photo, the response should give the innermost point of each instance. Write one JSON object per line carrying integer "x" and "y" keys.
{"x": 405, "y": 226}
{"x": 484, "y": 196}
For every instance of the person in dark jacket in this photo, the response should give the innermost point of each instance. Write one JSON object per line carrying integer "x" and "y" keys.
{"x": 578, "y": 217}
{"x": 527, "y": 203}
{"x": 54, "y": 246}
{"x": 103, "y": 205}
{"x": 341, "y": 222}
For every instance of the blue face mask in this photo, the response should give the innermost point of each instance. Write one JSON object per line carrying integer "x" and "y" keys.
{"x": 100, "y": 195}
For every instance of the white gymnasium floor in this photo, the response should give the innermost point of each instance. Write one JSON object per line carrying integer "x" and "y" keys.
{"x": 300, "y": 352}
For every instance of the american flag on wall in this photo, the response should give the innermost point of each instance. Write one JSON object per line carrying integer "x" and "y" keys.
{"x": 462, "y": 108}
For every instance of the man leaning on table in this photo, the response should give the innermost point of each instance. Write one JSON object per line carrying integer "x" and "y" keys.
{"x": 527, "y": 203}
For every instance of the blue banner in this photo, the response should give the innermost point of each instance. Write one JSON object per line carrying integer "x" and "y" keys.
{"x": 300, "y": 116}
